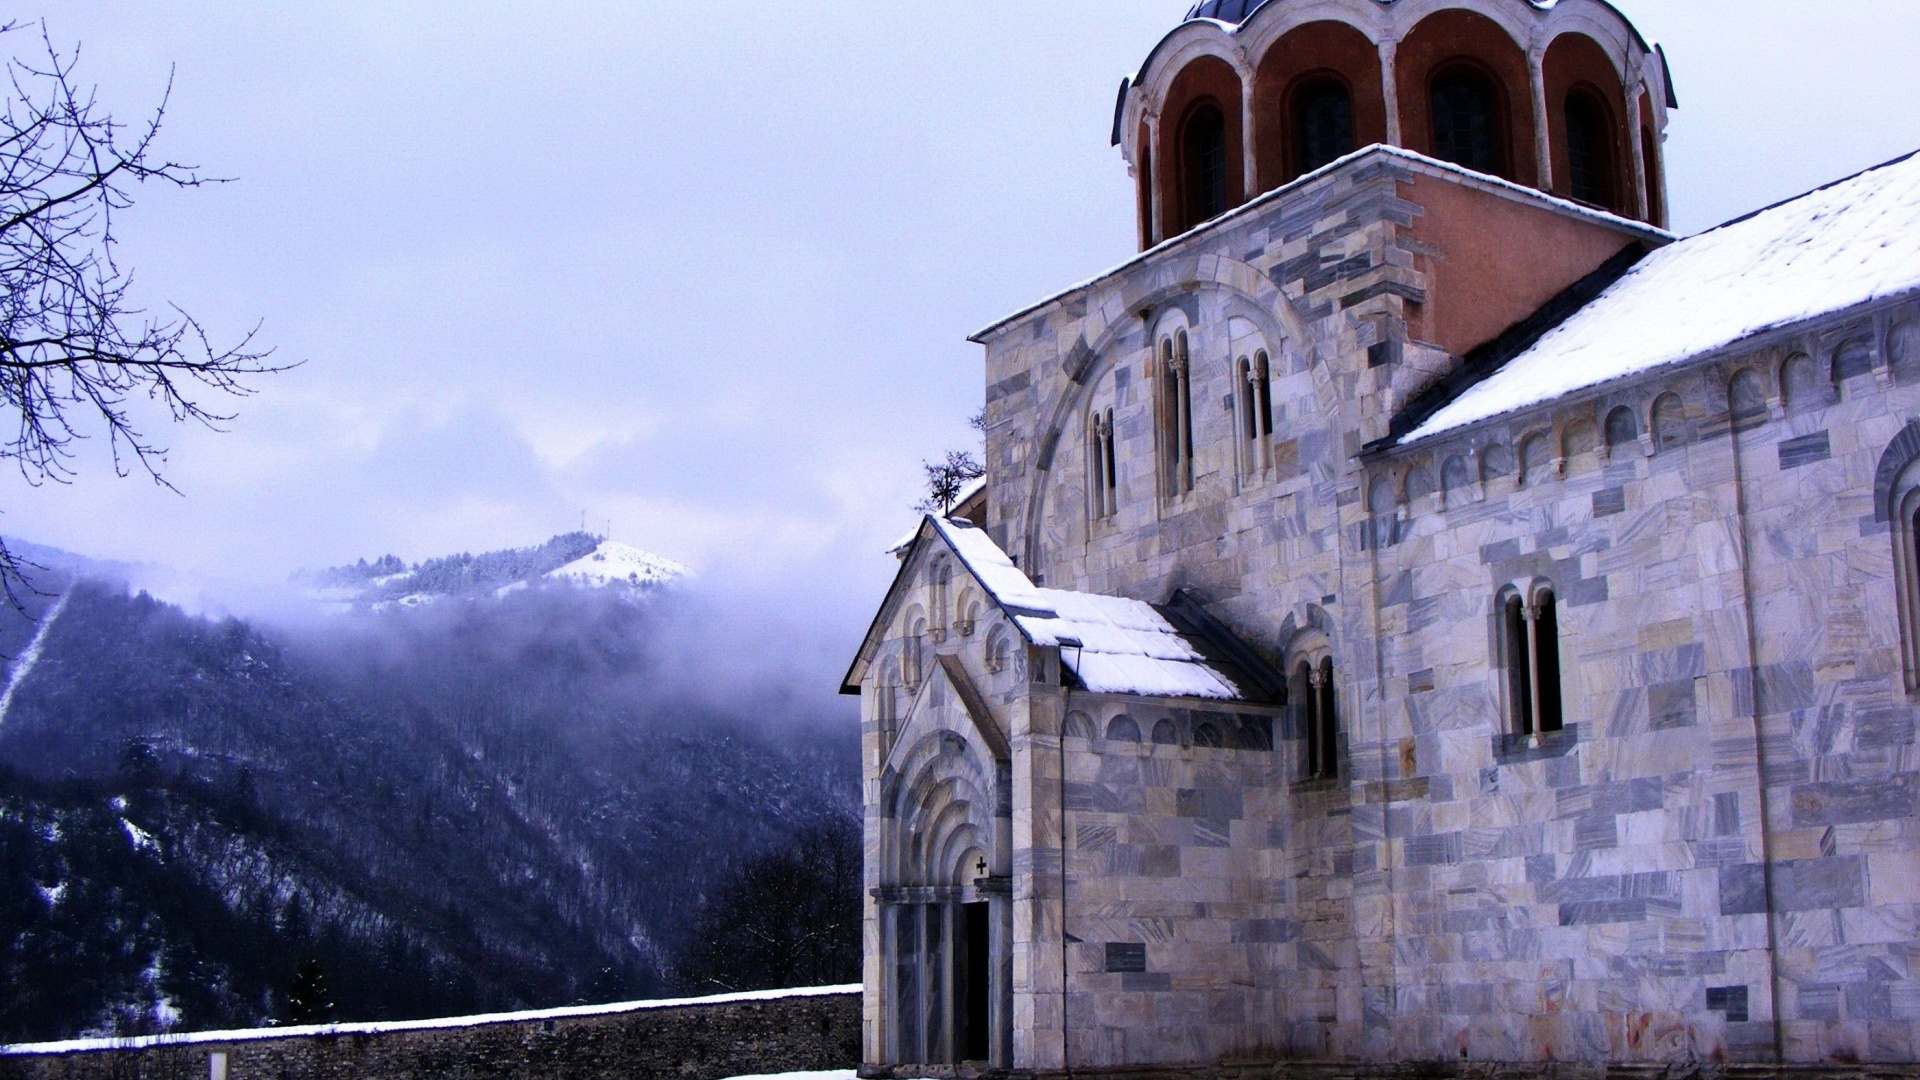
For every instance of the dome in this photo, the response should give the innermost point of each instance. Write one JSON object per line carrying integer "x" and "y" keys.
{"x": 1226, "y": 11}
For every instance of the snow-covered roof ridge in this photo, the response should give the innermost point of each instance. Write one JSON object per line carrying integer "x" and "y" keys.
{"x": 1848, "y": 243}
{"x": 1111, "y": 644}
{"x": 141, "y": 1042}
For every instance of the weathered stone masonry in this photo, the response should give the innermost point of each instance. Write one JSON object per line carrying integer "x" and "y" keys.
{"x": 1714, "y": 862}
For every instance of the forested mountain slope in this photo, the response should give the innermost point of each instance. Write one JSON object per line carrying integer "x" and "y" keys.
{"x": 491, "y": 801}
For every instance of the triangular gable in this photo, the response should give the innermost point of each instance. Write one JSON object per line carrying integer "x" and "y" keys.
{"x": 1109, "y": 644}
{"x": 949, "y": 677}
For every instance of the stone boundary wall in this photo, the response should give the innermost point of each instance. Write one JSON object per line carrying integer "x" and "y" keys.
{"x": 1440, "y": 1070}
{"x": 693, "y": 1039}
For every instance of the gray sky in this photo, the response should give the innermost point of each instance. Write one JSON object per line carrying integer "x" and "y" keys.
{"x": 705, "y": 270}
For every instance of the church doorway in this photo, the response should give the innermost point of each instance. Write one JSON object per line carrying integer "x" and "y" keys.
{"x": 974, "y": 978}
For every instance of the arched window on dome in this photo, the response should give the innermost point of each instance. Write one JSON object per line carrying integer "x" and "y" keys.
{"x": 1175, "y": 414}
{"x": 1590, "y": 143}
{"x": 1468, "y": 127}
{"x": 1322, "y": 122}
{"x": 1203, "y": 158}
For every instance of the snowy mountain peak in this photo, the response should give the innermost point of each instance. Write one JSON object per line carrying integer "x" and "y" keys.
{"x": 615, "y": 563}
{"x": 578, "y": 559}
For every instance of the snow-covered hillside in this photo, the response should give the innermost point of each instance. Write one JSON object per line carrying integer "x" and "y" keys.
{"x": 615, "y": 563}
{"x": 579, "y": 559}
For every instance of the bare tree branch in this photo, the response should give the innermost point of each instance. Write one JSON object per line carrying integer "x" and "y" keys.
{"x": 76, "y": 354}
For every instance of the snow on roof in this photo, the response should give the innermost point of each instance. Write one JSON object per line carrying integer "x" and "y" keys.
{"x": 1846, "y": 244}
{"x": 141, "y": 1042}
{"x": 1125, "y": 646}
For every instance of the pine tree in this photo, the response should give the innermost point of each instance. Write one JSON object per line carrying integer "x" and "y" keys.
{"x": 308, "y": 1001}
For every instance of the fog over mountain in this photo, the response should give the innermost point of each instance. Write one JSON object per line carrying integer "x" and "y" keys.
{"x": 513, "y": 779}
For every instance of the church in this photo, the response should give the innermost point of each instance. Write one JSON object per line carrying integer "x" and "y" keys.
{"x": 1419, "y": 610}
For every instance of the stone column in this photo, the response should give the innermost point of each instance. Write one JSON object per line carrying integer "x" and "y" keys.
{"x": 1249, "y": 163}
{"x": 1643, "y": 201}
{"x": 1542, "y": 132}
{"x": 1156, "y": 181}
{"x": 1390, "y": 90}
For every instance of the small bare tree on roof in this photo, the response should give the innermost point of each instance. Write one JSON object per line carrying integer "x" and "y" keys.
{"x": 76, "y": 351}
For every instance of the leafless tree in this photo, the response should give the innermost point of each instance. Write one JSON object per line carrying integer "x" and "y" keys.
{"x": 77, "y": 352}
{"x": 947, "y": 479}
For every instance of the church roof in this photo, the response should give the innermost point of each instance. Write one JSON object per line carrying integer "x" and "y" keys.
{"x": 1111, "y": 645}
{"x": 1850, "y": 243}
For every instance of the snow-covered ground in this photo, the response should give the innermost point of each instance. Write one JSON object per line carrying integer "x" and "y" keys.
{"x": 615, "y": 563}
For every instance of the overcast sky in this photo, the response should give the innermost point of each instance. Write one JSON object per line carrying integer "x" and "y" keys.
{"x": 701, "y": 270}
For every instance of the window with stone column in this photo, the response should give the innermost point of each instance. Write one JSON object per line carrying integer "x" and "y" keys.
{"x": 1256, "y": 413}
{"x": 1530, "y": 647}
{"x": 1102, "y": 472}
{"x": 1175, "y": 414}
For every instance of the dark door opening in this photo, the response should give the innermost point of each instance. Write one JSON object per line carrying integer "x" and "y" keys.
{"x": 976, "y": 969}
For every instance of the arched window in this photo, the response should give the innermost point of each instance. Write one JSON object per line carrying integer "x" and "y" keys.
{"x": 1203, "y": 146}
{"x": 1322, "y": 123}
{"x": 1530, "y": 639}
{"x": 1800, "y": 382}
{"x": 1419, "y": 486}
{"x": 913, "y": 652}
{"x": 1313, "y": 695}
{"x": 1256, "y": 412}
{"x": 1456, "y": 479}
{"x": 1165, "y": 734}
{"x": 1590, "y": 167}
{"x": 942, "y": 599}
{"x": 1122, "y": 729}
{"x": 1467, "y": 128}
{"x": 1536, "y": 460}
{"x": 1746, "y": 400}
{"x": 1079, "y": 725}
{"x": 1176, "y": 415}
{"x": 1622, "y": 429}
{"x": 1102, "y": 476}
{"x": 1669, "y": 422}
{"x": 1208, "y": 735}
{"x": 999, "y": 649}
{"x": 886, "y": 695}
{"x": 1903, "y": 348}
{"x": 1650, "y": 155}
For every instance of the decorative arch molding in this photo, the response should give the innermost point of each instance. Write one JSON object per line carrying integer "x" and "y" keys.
{"x": 1904, "y": 450}
{"x": 1250, "y": 295}
{"x": 1300, "y": 624}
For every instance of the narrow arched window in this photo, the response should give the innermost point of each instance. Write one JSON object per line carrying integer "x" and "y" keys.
{"x": 1176, "y": 415}
{"x": 1327, "y": 765}
{"x": 1466, "y": 120}
{"x": 1590, "y": 169}
{"x": 1322, "y": 124}
{"x": 1530, "y": 636}
{"x": 1102, "y": 474}
{"x": 1256, "y": 414}
{"x": 1519, "y": 658}
{"x": 1546, "y": 659}
{"x": 1317, "y": 713}
{"x": 1204, "y": 149}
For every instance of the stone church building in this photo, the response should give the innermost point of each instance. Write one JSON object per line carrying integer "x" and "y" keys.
{"x": 1419, "y": 609}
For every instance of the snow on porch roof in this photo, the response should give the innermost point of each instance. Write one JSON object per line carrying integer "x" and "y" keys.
{"x": 1125, "y": 646}
{"x": 1849, "y": 243}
